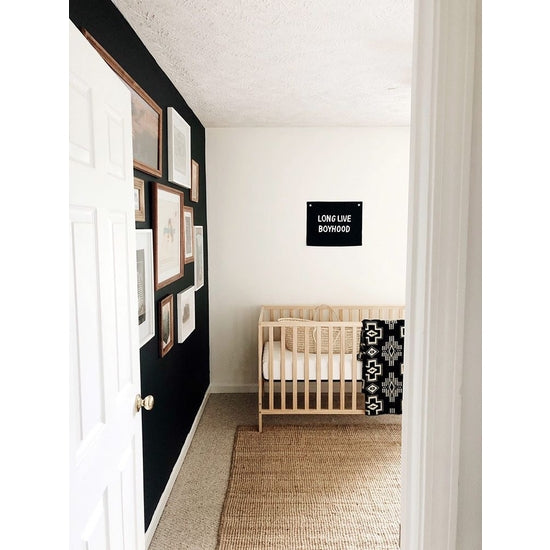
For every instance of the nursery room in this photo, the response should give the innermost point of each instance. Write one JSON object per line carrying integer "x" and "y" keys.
{"x": 274, "y": 180}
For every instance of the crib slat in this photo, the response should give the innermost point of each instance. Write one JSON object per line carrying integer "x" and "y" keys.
{"x": 306, "y": 369}
{"x": 260, "y": 375}
{"x": 330, "y": 370}
{"x": 270, "y": 367}
{"x": 342, "y": 372}
{"x": 294, "y": 369}
{"x": 283, "y": 377}
{"x": 318, "y": 385}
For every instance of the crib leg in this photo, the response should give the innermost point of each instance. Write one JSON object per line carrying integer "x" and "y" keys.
{"x": 260, "y": 421}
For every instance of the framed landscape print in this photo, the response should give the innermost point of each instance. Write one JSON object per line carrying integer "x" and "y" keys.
{"x": 189, "y": 237}
{"x": 166, "y": 316}
{"x": 199, "y": 257}
{"x": 168, "y": 234}
{"x": 139, "y": 199}
{"x": 179, "y": 149}
{"x": 186, "y": 313}
{"x": 145, "y": 290}
{"x": 194, "y": 181}
{"x": 146, "y": 118}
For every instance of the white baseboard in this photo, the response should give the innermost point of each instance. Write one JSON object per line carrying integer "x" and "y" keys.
{"x": 175, "y": 471}
{"x": 239, "y": 388}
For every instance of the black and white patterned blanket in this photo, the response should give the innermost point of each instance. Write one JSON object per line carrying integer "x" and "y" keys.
{"x": 381, "y": 350}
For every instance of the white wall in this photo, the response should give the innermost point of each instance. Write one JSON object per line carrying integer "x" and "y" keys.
{"x": 259, "y": 180}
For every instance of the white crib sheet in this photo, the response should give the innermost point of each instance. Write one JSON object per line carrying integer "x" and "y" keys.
{"x": 349, "y": 360}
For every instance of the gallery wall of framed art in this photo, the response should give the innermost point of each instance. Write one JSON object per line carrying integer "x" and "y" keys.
{"x": 169, "y": 196}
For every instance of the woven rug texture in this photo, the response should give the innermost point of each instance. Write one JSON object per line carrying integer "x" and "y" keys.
{"x": 334, "y": 487}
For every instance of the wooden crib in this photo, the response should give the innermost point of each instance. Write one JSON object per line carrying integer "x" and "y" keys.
{"x": 301, "y": 367}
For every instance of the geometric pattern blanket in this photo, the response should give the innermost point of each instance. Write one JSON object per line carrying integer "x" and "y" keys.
{"x": 382, "y": 350}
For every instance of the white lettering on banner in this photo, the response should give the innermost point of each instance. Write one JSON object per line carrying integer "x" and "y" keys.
{"x": 341, "y": 218}
{"x": 334, "y": 229}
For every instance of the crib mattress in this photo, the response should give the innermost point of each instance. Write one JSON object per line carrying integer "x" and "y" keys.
{"x": 351, "y": 364}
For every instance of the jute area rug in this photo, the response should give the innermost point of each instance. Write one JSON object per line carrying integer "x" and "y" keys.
{"x": 331, "y": 487}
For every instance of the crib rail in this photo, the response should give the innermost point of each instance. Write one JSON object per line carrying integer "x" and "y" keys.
{"x": 321, "y": 376}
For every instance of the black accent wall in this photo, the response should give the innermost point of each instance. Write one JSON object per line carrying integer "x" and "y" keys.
{"x": 179, "y": 380}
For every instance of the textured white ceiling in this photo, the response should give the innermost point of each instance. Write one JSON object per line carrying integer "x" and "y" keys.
{"x": 283, "y": 62}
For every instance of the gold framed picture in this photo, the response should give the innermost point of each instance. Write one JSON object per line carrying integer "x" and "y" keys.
{"x": 146, "y": 118}
{"x": 166, "y": 320}
{"x": 139, "y": 199}
{"x": 168, "y": 234}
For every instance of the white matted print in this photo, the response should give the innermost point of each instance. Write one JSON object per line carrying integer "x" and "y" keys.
{"x": 179, "y": 149}
{"x": 168, "y": 234}
{"x": 188, "y": 236}
{"x": 145, "y": 287}
{"x": 186, "y": 313}
{"x": 199, "y": 257}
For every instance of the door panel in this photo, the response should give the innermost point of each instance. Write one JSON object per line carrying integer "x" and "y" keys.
{"x": 106, "y": 449}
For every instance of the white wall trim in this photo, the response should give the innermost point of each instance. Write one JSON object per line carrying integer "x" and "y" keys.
{"x": 441, "y": 130}
{"x": 175, "y": 471}
{"x": 236, "y": 388}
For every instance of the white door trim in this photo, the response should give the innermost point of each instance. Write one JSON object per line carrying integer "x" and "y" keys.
{"x": 441, "y": 130}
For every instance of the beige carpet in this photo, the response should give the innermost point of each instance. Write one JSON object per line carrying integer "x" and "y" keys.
{"x": 313, "y": 487}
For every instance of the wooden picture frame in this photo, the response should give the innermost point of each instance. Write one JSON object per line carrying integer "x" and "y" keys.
{"x": 139, "y": 199}
{"x": 199, "y": 257}
{"x": 166, "y": 325}
{"x": 168, "y": 234}
{"x": 146, "y": 118}
{"x": 188, "y": 234}
{"x": 194, "y": 181}
{"x": 186, "y": 313}
{"x": 146, "y": 292}
{"x": 179, "y": 149}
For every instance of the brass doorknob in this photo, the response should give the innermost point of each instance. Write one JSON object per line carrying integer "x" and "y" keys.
{"x": 147, "y": 402}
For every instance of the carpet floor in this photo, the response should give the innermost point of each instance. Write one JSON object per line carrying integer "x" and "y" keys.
{"x": 313, "y": 488}
{"x": 191, "y": 516}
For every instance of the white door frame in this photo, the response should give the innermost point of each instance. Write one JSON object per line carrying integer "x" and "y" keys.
{"x": 441, "y": 132}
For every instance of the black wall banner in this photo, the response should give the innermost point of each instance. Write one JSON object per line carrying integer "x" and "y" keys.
{"x": 334, "y": 223}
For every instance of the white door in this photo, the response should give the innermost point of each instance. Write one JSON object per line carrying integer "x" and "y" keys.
{"x": 105, "y": 430}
